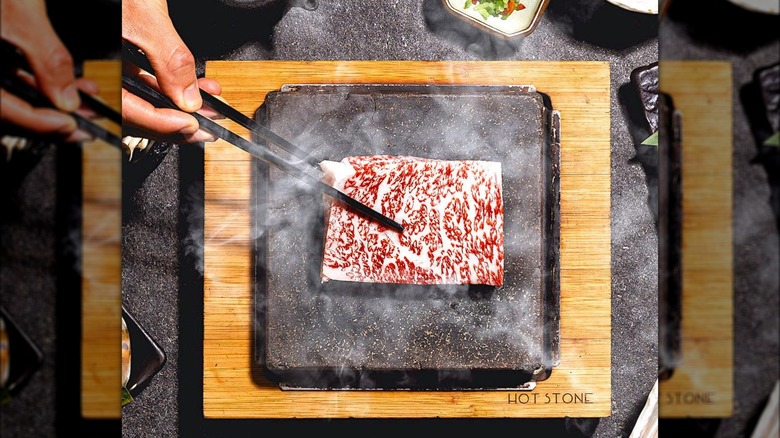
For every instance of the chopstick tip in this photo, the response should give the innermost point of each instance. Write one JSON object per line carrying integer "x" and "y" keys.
{"x": 397, "y": 227}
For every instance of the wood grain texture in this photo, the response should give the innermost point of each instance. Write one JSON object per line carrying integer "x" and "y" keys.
{"x": 702, "y": 386}
{"x": 580, "y": 90}
{"x": 101, "y": 259}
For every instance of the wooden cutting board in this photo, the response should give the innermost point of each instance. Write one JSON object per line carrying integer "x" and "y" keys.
{"x": 579, "y": 387}
{"x": 101, "y": 282}
{"x": 703, "y": 384}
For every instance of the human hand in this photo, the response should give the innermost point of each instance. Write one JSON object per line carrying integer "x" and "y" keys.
{"x": 147, "y": 24}
{"x": 26, "y": 25}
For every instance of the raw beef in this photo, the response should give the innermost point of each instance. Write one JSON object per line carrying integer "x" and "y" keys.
{"x": 452, "y": 213}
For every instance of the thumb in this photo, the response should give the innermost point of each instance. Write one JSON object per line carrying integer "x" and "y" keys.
{"x": 172, "y": 61}
{"x": 50, "y": 60}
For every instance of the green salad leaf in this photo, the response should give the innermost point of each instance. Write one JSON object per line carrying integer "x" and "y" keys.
{"x": 494, "y": 8}
{"x": 774, "y": 140}
{"x": 5, "y": 396}
{"x": 652, "y": 140}
{"x": 126, "y": 397}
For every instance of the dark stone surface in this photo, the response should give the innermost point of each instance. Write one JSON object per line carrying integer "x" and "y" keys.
{"x": 365, "y": 327}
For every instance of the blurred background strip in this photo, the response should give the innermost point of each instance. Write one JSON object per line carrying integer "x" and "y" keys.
{"x": 101, "y": 260}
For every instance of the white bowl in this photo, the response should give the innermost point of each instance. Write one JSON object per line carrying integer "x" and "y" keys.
{"x": 519, "y": 23}
{"x": 643, "y": 6}
{"x": 763, "y": 6}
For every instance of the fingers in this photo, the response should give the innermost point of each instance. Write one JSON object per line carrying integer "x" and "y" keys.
{"x": 26, "y": 24}
{"x": 137, "y": 112}
{"x": 174, "y": 75}
{"x": 37, "y": 120}
{"x": 54, "y": 73}
{"x": 210, "y": 86}
{"x": 214, "y": 88}
{"x": 84, "y": 84}
{"x": 142, "y": 119}
{"x": 88, "y": 86}
{"x": 172, "y": 61}
{"x": 79, "y": 136}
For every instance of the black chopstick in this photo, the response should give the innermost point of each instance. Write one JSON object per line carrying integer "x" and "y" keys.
{"x": 159, "y": 100}
{"x": 11, "y": 55}
{"x": 21, "y": 89}
{"x": 136, "y": 56}
{"x": 101, "y": 108}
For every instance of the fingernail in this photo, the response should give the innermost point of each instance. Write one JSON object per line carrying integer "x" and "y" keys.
{"x": 191, "y": 128}
{"x": 69, "y": 99}
{"x": 203, "y": 136}
{"x": 192, "y": 98}
{"x": 81, "y": 136}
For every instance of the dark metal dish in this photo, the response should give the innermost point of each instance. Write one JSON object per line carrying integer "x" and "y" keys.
{"x": 383, "y": 336}
{"x": 645, "y": 81}
{"x": 661, "y": 116}
{"x": 25, "y": 357}
{"x": 769, "y": 83}
{"x": 147, "y": 357}
{"x": 669, "y": 236}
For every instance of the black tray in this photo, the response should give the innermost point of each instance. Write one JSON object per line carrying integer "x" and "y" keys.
{"x": 669, "y": 236}
{"x": 25, "y": 356}
{"x": 381, "y": 336}
{"x": 645, "y": 82}
{"x": 146, "y": 359}
{"x": 661, "y": 116}
{"x": 768, "y": 79}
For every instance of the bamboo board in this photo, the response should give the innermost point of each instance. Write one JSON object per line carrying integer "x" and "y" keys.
{"x": 702, "y": 386}
{"x": 580, "y": 90}
{"x": 102, "y": 259}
